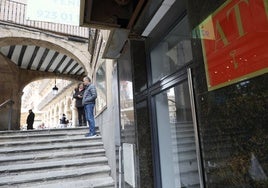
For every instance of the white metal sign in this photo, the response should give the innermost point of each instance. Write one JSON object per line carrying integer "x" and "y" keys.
{"x": 129, "y": 167}
{"x": 56, "y": 11}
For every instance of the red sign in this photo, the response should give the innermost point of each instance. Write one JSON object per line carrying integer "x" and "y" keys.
{"x": 235, "y": 42}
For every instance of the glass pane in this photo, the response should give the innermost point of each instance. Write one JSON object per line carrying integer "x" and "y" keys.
{"x": 173, "y": 52}
{"x": 101, "y": 87}
{"x": 177, "y": 147}
{"x": 126, "y": 98}
{"x": 127, "y": 126}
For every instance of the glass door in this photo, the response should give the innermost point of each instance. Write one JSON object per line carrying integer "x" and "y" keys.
{"x": 177, "y": 137}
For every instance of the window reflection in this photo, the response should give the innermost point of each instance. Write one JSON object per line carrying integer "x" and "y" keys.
{"x": 101, "y": 88}
{"x": 177, "y": 146}
{"x": 173, "y": 52}
{"x": 126, "y": 103}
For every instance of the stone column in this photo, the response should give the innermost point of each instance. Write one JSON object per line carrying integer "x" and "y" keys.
{"x": 74, "y": 115}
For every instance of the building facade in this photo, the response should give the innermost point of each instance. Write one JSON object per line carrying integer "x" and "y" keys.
{"x": 184, "y": 102}
{"x": 198, "y": 115}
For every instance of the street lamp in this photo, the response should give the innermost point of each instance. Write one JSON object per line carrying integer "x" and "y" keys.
{"x": 55, "y": 89}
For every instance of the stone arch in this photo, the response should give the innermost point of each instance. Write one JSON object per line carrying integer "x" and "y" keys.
{"x": 78, "y": 51}
{"x": 15, "y": 79}
{"x": 61, "y": 104}
{"x": 35, "y": 76}
{"x": 66, "y": 48}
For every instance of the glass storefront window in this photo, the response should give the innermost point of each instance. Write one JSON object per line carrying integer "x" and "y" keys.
{"x": 177, "y": 143}
{"x": 232, "y": 93}
{"x": 127, "y": 122}
{"x": 126, "y": 99}
{"x": 173, "y": 52}
{"x": 126, "y": 104}
{"x": 101, "y": 88}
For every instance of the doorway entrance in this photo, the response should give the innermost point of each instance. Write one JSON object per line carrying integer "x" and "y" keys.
{"x": 177, "y": 136}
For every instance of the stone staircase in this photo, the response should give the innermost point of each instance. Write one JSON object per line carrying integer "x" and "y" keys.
{"x": 58, "y": 158}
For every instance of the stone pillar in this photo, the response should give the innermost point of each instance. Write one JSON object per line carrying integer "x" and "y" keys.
{"x": 10, "y": 90}
{"x": 74, "y": 115}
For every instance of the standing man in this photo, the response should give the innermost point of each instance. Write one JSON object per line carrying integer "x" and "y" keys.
{"x": 88, "y": 101}
{"x": 30, "y": 120}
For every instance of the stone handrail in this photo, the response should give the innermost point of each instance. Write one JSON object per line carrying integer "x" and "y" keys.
{"x": 6, "y": 103}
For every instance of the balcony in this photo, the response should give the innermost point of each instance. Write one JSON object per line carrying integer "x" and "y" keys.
{"x": 13, "y": 12}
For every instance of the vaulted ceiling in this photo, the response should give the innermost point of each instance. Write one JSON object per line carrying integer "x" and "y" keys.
{"x": 39, "y": 58}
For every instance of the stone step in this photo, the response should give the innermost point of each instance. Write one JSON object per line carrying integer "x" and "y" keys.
{"x": 44, "y": 140}
{"x": 45, "y": 131}
{"x": 49, "y": 164}
{"x": 30, "y": 157}
{"x": 41, "y": 134}
{"x": 53, "y": 158}
{"x": 106, "y": 182}
{"x": 58, "y": 174}
{"x": 26, "y": 141}
{"x": 36, "y": 147}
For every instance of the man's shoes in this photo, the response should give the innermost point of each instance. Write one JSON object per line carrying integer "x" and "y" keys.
{"x": 90, "y": 135}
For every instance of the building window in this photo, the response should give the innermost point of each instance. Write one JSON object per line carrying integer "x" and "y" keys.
{"x": 173, "y": 52}
{"x": 101, "y": 88}
{"x": 176, "y": 135}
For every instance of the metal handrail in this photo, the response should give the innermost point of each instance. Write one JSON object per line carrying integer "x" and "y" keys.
{"x": 7, "y": 102}
{"x": 3, "y": 105}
